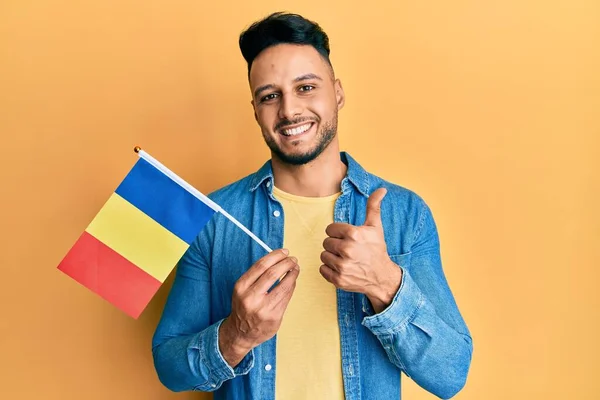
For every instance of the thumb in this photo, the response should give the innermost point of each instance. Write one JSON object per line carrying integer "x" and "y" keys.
{"x": 374, "y": 208}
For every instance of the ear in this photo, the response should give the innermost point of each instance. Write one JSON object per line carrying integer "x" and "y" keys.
{"x": 339, "y": 94}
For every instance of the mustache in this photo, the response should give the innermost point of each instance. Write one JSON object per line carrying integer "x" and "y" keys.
{"x": 286, "y": 122}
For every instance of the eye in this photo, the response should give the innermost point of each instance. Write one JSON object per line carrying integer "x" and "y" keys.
{"x": 268, "y": 97}
{"x": 306, "y": 88}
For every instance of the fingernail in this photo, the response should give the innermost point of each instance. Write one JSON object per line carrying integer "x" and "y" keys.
{"x": 285, "y": 251}
{"x": 294, "y": 259}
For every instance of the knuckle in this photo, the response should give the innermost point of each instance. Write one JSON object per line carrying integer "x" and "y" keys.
{"x": 246, "y": 304}
{"x": 353, "y": 234}
{"x": 345, "y": 250}
{"x": 271, "y": 274}
{"x": 323, "y": 255}
{"x": 260, "y": 264}
{"x": 291, "y": 261}
{"x": 237, "y": 289}
{"x": 260, "y": 315}
{"x": 285, "y": 289}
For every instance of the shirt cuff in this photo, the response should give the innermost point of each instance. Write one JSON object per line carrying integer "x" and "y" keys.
{"x": 400, "y": 312}
{"x": 220, "y": 370}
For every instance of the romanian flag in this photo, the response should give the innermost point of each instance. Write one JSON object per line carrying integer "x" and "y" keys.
{"x": 138, "y": 236}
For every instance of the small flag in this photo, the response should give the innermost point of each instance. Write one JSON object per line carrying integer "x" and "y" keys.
{"x": 138, "y": 236}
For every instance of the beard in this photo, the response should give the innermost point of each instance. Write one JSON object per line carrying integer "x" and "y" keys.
{"x": 324, "y": 136}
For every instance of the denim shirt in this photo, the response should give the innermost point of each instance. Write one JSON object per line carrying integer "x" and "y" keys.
{"x": 421, "y": 333}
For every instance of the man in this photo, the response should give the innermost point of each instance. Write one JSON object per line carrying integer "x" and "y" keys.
{"x": 371, "y": 300}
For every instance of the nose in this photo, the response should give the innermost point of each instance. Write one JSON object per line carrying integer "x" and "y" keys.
{"x": 290, "y": 107}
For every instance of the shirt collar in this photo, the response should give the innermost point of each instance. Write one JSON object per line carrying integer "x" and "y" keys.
{"x": 355, "y": 174}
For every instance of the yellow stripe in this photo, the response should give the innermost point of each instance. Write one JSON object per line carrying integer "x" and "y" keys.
{"x": 137, "y": 237}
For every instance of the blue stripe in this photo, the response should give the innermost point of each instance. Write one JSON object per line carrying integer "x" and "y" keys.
{"x": 164, "y": 201}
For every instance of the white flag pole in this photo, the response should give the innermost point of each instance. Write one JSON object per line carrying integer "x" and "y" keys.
{"x": 155, "y": 163}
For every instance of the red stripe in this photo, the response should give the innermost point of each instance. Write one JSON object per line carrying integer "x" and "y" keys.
{"x": 107, "y": 273}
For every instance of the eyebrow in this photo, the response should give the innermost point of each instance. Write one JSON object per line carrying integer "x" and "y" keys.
{"x": 307, "y": 77}
{"x": 301, "y": 78}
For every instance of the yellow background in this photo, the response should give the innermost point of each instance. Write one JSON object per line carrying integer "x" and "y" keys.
{"x": 488, "y": 109}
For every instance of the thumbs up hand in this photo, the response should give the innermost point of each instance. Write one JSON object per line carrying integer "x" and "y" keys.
{"x": 356, "y": 259}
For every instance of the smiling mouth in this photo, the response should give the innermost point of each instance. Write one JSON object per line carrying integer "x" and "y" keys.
{"x": 298, "y": 130}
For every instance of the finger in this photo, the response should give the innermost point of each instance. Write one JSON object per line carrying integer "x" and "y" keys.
{"x": 282, "y": 293}
{"x": 334, "y": 245}
{"x": 273, "y": 274}
{"x": 260, "y": 266}
{"x": 373, "y": 217}
{"x": 333, "y": 261}
{"x": 342, "y": 231}
{"x": 329, "y": 274}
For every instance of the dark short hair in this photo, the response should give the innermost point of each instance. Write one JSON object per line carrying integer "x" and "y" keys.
{"x": 281, "y": 27}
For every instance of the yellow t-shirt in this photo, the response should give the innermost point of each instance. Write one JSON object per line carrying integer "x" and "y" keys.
{"x": 308, "y": 342}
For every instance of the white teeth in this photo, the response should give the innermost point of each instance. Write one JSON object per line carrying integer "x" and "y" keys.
{"x": 297, "y": 131}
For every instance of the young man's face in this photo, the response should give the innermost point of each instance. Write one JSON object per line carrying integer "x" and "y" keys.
{"x": 296, "y": 101}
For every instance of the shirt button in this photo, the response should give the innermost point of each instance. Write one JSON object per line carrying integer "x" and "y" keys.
{"x": 268, "y": 183}
{"x": 268, "y": 367}
{"x": 276, "y": 213}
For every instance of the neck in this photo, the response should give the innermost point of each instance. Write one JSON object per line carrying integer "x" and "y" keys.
{"x": 319, "y": 178}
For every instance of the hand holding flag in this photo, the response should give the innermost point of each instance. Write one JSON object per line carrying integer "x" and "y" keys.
{"x": 257, "y": 311}
{"x": 136, "y": 239}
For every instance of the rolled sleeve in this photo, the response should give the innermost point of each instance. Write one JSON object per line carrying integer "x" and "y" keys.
{"x": 219, "y": 371}
{"x": 400, "y": 312}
